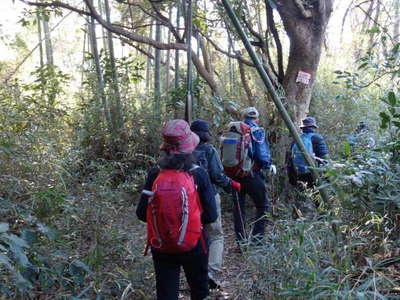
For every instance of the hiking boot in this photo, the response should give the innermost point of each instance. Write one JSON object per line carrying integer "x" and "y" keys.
{"x": 213, "y": 285}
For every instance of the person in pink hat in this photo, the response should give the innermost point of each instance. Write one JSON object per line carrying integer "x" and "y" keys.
{"x": 178, "y": 144}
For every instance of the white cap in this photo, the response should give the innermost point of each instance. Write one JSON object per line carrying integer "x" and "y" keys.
{"x": 251, "y": 112}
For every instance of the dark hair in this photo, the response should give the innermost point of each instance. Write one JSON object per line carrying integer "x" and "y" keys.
{"x": 204, "y": 136}
{"x": 183, "y": 162}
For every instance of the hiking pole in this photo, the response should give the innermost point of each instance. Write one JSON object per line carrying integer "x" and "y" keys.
{"x": 236, "y": 198}
{"x": 268, "y": 84}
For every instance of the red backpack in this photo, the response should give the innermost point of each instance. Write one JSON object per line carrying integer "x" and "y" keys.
{"x": 174, "y": 213}
{"x": 235, "y": 148}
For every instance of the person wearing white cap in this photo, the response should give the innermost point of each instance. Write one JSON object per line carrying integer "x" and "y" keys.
{"x": 254, "y": 184}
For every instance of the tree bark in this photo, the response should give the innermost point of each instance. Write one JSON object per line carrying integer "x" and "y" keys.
{"x": 245, "y": 83}
{"x": 47, "y": 42}
{"x": 306, "y": 28}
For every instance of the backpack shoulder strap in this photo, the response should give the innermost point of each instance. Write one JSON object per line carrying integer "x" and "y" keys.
{"x": 194, "y": 167}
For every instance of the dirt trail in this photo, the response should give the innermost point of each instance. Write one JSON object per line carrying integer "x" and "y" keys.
{"x": 234, "y": 269}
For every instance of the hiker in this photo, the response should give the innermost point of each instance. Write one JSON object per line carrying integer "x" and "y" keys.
{"x": 208, "y": 158}
{"x": 298, "y": 170}
{"x": 177, "y": 200}
{"x": 361, "y": 138}
{"x": 245, "y": 153}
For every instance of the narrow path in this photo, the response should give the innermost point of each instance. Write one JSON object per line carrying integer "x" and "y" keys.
{"x": 236, "y": 272}
{"x": 235, "y": 268}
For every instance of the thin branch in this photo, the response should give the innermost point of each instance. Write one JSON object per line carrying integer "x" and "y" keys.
{"x": 376, "y": 78}
{"x": 278, "y": 44}
{"x": 375, "y": 22}
{"x": 261, "y": 42}
{"x": 166, "y": 21}
{"x": 344, "y": 19}
{"x": 236, "y": 55}
{"x": 58, "y": 4}
{"x": 33, "y": 50}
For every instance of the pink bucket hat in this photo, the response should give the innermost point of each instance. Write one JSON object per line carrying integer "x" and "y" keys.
{"x": 178, "y": 138}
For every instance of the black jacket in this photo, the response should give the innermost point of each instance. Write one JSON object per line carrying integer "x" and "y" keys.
{"x": 208, "y": 157}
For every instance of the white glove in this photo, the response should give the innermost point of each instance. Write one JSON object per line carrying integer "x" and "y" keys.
{"x": 272, "y": 170}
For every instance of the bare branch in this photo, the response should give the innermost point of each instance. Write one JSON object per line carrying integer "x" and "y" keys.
{"x": 278, "y": 44}
{"x": 58, "y": 4}
{"x": 236, "y": 55}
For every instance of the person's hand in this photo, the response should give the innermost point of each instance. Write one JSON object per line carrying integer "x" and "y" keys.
{"x": 236, "y": 186}
{"x": 272, "y": 170}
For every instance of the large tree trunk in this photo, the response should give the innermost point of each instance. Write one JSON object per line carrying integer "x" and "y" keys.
{"x": 306, "y": 29}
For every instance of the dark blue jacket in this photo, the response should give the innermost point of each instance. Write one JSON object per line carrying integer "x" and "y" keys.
{"x": 260, "y": 147}
{"x": 208, "y": 158}
{"x": 319, "y": 146}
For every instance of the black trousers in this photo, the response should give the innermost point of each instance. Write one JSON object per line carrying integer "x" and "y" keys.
{"x": 254, "y": 186}
{"x": 167, "y": 268}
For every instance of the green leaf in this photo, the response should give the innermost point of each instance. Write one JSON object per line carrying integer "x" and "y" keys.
{"x": 396, "y": 123}
{"x": 4, "y": 260}
{"x": 22, "y": 284}
{"x": 12, "y": 238}
{"x": 19, "y": 254}
{"x": 80, "y": 264}
{"x": 29, "y": 236}
{"x": 392, "y": 98}
{"x": 83, "y": 292}
{"x": 47, "y": 231}
{"x": 363, "y": 66}
{"x": 373, "y": 30}
{"x": 346, "y": 148}
{"x": 385, "y": 119}
{"x": 4, "y": 227}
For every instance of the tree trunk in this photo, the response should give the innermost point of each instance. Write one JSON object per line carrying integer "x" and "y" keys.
{"x": 148, "y": 63}
{"x": 306, "y": 29}
{"x": 100, "y": 81}
{"x": 245, "y": 83}
{"x": 189, "y": 96}
{"x": 39, "y": 26}
{"x": 168, "y": 62}
{"x": 117, "y": 109}
{"x": 157, "y": 74}
{"x": 177, "y": 74}
{"x": 396, "y": 25}
{"x": 47, "y": 41}
{"x": 41, "y": 59}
